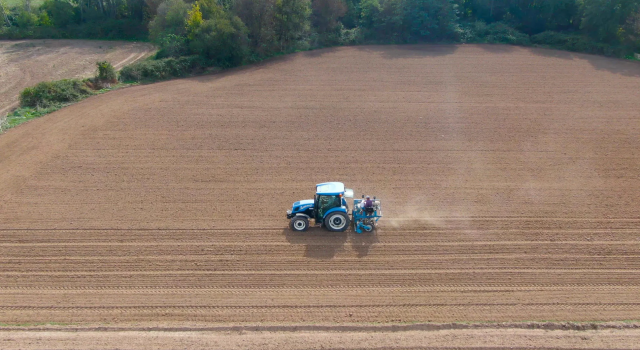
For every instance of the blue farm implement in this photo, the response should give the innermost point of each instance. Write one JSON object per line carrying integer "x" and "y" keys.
{"x": 365, "y": 218}
{"x": 330, "y": 209}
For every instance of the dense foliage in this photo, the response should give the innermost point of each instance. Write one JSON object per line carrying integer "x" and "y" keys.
{"x": 226, "y": 33}
{"x": 163, "y": 68}
{"x": 97, "y": 19}
{"x": 50, "y": 93}
{"x": 106, "y": 72}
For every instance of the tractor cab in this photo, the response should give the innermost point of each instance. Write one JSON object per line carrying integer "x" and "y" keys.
{"x": 329, "y": 208}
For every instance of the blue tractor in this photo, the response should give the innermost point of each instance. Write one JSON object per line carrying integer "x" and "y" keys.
{"x": 329, "y": 208}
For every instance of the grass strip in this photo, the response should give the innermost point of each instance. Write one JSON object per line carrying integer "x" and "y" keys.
{"x": 25, "y": 114}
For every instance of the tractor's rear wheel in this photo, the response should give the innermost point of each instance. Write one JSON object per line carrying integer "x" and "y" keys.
{"x": 337, "y": 222}
{"x": 299, "y": 223}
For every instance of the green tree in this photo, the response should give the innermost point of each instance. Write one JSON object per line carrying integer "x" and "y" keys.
{"x": 428, "y": 20}
{"x": 326, "y": 14}
{"x": 194, "y": 21}
{"x": 220, "y": 38}
{"x": 258, "y": 16}
{"x": 171, "y": 45}
{"x": 170, "y": 20}
{"x": 4, "y": 12}
{"x": 352, "y": 16}
{"x": 485, "y": 10}
{"x": 369, "y": 13}
{"x": 44, "y": 19}
{"x": 226, "y": 5}
{"x": 536, "y": 16}
{"x": 291, "y": 20}
{"x": 211, "y": 9}
{"x": 403, "y": 21}
{"x": 325, "y": 20}
{"x": 61, "y": 13}
{"x": 631, "y": 35}
{"x": 604, "y": 19}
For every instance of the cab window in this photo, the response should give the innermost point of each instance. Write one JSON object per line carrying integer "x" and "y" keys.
{"x": 327, "y": 202}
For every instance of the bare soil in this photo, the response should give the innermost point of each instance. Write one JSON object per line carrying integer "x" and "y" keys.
{"x": 25, "y": 63}
{"x": 510, "y": 181}
{"x": 488, "y": 338}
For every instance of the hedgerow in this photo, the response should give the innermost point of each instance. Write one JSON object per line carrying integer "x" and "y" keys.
{"x": 50, "y": 93}
{"x": 161, "y": 69}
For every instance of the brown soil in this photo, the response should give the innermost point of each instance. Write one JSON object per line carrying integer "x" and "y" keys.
{"x": 483, "y": 339}
{"x": 25, "y": 63}
{"x": 509, "y": 179}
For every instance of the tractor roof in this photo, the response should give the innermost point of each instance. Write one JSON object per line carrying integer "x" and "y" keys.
{"x": 330, "y": 188}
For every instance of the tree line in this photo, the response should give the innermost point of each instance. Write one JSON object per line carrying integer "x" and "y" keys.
{"x": 229, "y": 32}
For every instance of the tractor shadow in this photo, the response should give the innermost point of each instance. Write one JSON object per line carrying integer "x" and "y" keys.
{"x": 321, "y": 244}
{"x": 362, "y": 242}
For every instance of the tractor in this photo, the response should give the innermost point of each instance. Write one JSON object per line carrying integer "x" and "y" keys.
{"x": 329, "y": 209}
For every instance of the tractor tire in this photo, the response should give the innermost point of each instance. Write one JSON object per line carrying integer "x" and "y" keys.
{"x": 299, "y": 223}
{"x": 337, "y": 222}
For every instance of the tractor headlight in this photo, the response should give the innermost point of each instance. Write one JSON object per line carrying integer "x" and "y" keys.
{"x": 288, "y": 212}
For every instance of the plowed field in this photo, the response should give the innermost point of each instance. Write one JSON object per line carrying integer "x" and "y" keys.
{"x": 25, "y": 63}
{"x": 509, "y": 178}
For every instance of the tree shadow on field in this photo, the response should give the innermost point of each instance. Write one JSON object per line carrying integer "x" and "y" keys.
{"x": 409, "y": 51}
{"x": 256, "y": 67}
{"x": 319, "y": 52}
{"x": 496, "y": 48}
{"x": 609, "y": 64}
{"x": 385, "y": 51}
{"x": 319, "y": 243}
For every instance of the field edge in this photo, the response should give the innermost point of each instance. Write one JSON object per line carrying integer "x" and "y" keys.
{"x": 313, "y": 327}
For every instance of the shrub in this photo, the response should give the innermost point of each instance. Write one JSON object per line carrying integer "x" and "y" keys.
{"x": 26, "y": 19}
{"x": 44, "y": 20}
{"x": 161, "y": 69}
{"x": 494, "y": 33}
{"x": 171, "y": 45}
{"x": 50, "y": 93}
{"x": 351, "y": 36}
{"x": 106, "y": 72}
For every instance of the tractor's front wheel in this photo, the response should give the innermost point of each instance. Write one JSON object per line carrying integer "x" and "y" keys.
{"x": 337, "y": 222}
{"x": 299, "y": 223}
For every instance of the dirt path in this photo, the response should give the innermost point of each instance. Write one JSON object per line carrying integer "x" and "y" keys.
{"x": 25, "y": 63}
{"x": 243, "y": 338}
{"x": 509, "y": 179}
